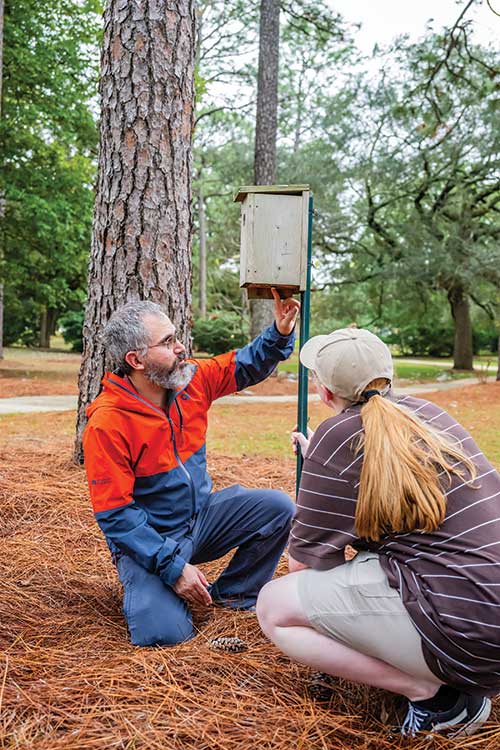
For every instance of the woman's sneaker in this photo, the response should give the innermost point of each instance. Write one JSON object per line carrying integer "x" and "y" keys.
{"x": 466, "y": 716}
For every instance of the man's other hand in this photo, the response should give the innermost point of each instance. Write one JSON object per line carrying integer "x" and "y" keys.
{"x": 192, "y": 586}
{"x": 285, "y": 313}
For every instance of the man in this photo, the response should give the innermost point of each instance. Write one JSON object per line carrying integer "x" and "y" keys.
{"x": 144, "y": 448}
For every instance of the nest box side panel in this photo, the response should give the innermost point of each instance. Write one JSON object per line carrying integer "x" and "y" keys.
{"x": 246, "y": 240}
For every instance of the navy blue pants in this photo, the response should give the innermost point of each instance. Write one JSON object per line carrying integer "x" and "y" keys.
{"x": 256, "y": 522}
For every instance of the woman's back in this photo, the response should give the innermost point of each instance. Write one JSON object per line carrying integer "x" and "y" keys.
{"x": 449, "y": 579}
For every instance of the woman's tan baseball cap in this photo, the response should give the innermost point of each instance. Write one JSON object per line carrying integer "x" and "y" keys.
{"x": 346, "y": 360}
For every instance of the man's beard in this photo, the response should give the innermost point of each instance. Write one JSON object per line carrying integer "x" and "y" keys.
{"x": 172, "y": 379}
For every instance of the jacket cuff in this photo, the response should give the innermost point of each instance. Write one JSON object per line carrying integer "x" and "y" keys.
{"x": 278, "y": 337}
{"x": 173, "y": 571}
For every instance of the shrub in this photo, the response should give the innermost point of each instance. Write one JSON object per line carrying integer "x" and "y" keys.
{"x": 71, "y": 324}
{"x": 485, "y": 338}
{"x": 21, "y": 323}
{"x": 421, "y": 340}
{"x": 220, "y": 333}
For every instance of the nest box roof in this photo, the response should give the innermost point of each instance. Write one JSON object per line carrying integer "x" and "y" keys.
{"x": 270, "y": 189}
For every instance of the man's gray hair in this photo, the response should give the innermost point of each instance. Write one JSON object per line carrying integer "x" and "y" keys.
{"x": 125, "y": 332}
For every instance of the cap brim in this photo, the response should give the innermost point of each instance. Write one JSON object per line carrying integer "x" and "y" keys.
{"x": 310, "y": 350}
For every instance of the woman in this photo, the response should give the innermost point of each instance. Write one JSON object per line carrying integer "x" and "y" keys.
{"x": 416, "y": 611}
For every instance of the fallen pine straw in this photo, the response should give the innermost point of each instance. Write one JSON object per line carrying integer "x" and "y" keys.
{"x": 70, "y": 679}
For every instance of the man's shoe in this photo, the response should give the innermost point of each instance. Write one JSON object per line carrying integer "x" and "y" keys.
{"x": 466, "y": 716}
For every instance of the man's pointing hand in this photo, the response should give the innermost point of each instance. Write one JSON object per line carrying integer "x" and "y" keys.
{"x": 285, "y": 313}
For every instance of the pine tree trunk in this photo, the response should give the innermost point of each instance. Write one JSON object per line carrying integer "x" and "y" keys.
{"x": 141, "y": 242}
{"x": 203, "y": 253}
{"x": 266, "y": 126}
{"x": 462, "y": 348}
{"x": 1, "y": 198}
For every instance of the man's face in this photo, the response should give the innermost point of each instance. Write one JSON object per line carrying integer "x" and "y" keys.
{"x": 165, "y": 360}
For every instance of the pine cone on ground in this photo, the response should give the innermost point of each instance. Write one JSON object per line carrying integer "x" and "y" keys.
{"x": 227, "y": 643}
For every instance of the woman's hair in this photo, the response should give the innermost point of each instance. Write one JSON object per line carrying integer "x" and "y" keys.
{"x": 404, "y": 464}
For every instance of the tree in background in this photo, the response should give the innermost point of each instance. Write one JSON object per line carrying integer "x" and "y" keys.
{"x": 141, "y": 240}
{"x": 418, "y": 211}
{"x": 359, "y": 139}
{"x": 48, "y": 140}
{"x": 226, "y": 38}
{"x": 266, "y": 128}
{"x": 314, "y": 49}
{"x": 1, "y": 195}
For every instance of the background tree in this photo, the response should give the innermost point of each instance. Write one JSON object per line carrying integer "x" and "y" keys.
{"x": 142, "y": 216}
{"x": 48, "y": 140}
{"x": 417, "y": 213}
{"x": 266, "y": 127}
{"x": 1, "y": 196}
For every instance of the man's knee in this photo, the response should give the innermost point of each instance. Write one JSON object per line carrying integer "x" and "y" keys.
{"x": 281, "y": 506}
{"x": 150, "y": 631}
{"x": 155, "y": 617}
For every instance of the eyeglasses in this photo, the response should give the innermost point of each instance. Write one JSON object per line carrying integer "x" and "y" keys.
{"x": 170, "y": 342}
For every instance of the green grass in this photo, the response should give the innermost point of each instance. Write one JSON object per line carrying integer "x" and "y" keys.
{"x": 291, "y": 364}
{"x": 421, "y": 373}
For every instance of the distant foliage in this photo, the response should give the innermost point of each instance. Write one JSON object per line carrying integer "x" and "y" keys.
{"x": 423, "y": 340}
{"x": 220, "y": 333}
{"x": 21, "y": 324}
{"x": 48, "y": 139}
{"x": 71, "y": 326}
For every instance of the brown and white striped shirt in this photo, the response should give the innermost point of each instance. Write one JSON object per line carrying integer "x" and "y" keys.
{"x": 449, "y": 580}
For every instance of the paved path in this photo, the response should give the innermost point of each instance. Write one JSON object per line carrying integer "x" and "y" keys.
{"x": 29, "y": 404}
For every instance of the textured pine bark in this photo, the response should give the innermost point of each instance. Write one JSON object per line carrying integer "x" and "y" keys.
{"x": 141, "y": 244}
{"x": 261, "y": 311}
{"x": 1, "y": 200}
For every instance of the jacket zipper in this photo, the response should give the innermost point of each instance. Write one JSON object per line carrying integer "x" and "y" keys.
{"x": 186, "y": 472}
{"x": 174, "y": 443}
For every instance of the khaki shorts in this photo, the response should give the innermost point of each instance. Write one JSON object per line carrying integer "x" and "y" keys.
{"x": 355, "y": 605}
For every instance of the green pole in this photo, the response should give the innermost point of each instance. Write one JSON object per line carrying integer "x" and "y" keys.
{"x": 305, "y": 302}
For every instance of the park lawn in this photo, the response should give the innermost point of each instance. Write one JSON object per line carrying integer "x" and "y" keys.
{"x": 263, "y": 428}
{"x": 43, "y": 427}
{"x": 418, "y": 372}
{"x": 248, "y": 429}
{"x": 34, "y": 372}
{"x": 423, "y": 373}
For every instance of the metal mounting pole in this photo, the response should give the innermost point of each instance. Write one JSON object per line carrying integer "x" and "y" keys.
{"x": 305, "y": 302}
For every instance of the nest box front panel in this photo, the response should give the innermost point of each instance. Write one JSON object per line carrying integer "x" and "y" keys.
{"x": 272, "y": 241}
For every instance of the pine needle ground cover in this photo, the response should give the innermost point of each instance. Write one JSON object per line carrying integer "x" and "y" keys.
{"x": 69, "y": 677}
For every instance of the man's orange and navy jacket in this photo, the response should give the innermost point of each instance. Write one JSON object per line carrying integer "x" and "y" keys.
{"x": 146, "y": 467}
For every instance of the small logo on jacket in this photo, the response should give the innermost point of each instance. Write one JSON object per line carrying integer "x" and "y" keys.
{"x": 106, "y": 480}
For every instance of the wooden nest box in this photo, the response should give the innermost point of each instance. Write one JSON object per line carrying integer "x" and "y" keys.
{"x": 274, "y": 226}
